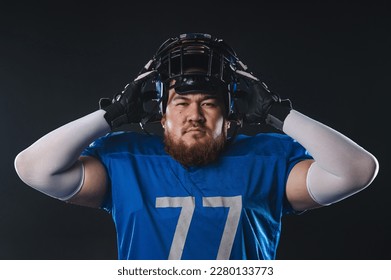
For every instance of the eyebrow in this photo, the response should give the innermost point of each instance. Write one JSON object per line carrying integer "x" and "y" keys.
{"x": 204, "y": 97}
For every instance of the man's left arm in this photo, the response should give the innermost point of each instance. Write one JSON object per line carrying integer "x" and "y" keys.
{"x": 340, "y": 168}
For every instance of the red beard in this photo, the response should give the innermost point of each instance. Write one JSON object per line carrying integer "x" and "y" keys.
{"x": 195, "y": 155}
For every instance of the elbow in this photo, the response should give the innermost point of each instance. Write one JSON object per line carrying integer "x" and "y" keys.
{"x": 327, "y": 187}
{"x": 30, "y": 170}
{"x": 368, "y": 170}
{"x": 20, "y": 166}
{"x": 24, "y": 167}
{"x": 362, "y": 173}
{"x": 39, "y": 176}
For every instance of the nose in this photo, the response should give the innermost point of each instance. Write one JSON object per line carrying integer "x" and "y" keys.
{"x": 195, "y": 113}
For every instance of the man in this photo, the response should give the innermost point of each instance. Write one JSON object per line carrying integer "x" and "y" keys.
{"x": 197, "y": 193}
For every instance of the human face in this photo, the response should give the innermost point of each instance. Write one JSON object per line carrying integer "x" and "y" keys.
{"x": 194, "y": 119}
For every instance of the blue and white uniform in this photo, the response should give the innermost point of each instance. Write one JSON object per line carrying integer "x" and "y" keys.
{"x": 230, "y": 209}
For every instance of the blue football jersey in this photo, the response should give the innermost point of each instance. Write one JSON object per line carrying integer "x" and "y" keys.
{"x": 230, "y": 209}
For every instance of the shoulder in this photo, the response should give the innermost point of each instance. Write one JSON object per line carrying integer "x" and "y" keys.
{"x": 263, "y": 138}
{"x": 129, "y": 141}
{"x": 125, "y": 136}
{"x": 265, "y": 143}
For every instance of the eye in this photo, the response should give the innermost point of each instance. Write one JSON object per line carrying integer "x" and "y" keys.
{"x": 209, "y": 104}
{"x": 181, "y": 104}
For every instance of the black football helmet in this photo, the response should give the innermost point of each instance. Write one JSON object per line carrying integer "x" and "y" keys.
{"x": 198, "y": 62}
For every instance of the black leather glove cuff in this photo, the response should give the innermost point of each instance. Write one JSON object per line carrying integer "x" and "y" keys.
{"x": 115, "y": 114}
{"x": 278, "y": 112}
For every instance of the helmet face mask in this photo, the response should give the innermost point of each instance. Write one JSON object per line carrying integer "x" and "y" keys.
{"x": 192, "y": 63}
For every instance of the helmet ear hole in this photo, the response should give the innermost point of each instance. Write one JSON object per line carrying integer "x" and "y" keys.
{"x": 151, "y": 97}
{"x": 232, "y": 93}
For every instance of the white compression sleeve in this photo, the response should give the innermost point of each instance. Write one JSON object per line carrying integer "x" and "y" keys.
{"x": 341, "y": 167}
{"x": 51, "y": 164}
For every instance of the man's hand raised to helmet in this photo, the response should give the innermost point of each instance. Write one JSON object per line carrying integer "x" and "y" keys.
{"x": 127, "y": 106}
{"x": 259, "y": 105}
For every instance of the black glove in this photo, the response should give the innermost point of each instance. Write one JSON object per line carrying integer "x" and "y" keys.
{"x": 257, "y": 104}
{"x": 127, "y": 106}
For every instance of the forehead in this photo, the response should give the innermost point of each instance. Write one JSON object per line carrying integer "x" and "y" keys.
{"x": 192, "y": 96}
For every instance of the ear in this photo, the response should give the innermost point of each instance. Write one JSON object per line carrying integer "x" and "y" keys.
{"x": 228, "y": 124}
{"x": 163, "y": 121}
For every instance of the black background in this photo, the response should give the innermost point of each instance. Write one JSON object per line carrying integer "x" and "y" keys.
{"x": 56, "y": 60}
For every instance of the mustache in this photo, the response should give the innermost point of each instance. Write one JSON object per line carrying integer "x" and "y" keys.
{"x": 194, "y": 125}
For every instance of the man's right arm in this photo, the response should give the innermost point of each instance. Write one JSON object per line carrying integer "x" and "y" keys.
{"x": 52, "y": 165}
